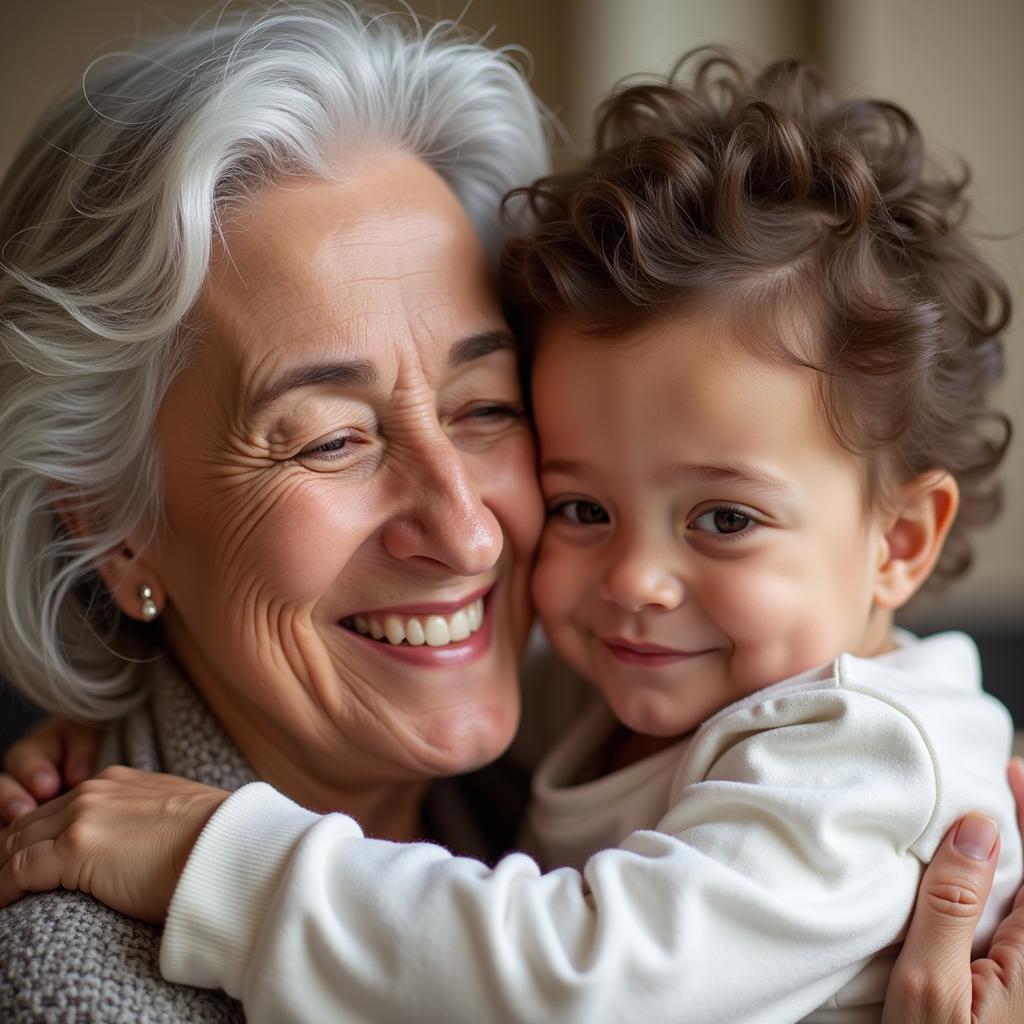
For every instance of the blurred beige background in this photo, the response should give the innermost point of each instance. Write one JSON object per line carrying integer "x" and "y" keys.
{"x": 957, "y": 66}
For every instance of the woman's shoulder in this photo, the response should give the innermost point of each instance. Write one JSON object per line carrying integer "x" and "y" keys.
{"x": 63, "y": 953}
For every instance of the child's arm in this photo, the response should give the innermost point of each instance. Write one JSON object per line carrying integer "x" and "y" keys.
{"x": 762, "y": 893}
{"x": 932, "y": 983}
{"x": 777, "y": 875}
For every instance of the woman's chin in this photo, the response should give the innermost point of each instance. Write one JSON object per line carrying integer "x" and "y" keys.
{"x": 462, "y": 739}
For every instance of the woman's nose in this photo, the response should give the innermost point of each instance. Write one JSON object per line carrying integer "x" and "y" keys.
{"x": 443, "y": 518}
{"x": 641, "y": 579}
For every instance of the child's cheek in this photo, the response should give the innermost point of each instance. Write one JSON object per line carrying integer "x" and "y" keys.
{"x": 551, "y": 593}
{"x": 775, "y": 631}
{"x": 559, "y": 588}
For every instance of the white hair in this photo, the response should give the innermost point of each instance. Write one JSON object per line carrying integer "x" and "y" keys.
{"x": 107, "y": 217}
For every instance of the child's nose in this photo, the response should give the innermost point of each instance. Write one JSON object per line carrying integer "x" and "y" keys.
{"x": 635, "y": 583}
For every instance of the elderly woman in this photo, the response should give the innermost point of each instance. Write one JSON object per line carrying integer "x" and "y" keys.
{"x": 259, "y": 412}
{"x": 256, "y": 389}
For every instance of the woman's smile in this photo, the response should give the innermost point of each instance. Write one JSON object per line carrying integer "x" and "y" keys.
{"x": 432, "y": 634}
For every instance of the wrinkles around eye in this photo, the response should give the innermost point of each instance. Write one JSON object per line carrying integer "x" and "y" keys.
{"x": 340, "y": 448}
{"x": 485, "y": 420}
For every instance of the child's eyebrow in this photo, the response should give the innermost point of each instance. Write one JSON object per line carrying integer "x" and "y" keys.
{"x": 684, "y": 472}
{"x": 680, "y": 472}
{"x": 567, "y": 467}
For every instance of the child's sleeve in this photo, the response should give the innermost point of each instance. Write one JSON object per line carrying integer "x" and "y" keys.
{"x": 783, "y": 865}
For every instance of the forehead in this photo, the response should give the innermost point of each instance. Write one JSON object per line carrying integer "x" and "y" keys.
{"x": 686, "y": 390}
{"x": 382, "y": 259}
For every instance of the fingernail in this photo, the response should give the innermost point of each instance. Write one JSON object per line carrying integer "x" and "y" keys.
{"x": 79, "y": 772}
{"x": 976, "y": 836}
{"x": 16, "y": 808}
{"x": 42, "y": 779}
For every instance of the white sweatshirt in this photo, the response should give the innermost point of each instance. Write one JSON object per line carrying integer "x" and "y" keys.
{"x": 757, "y": 871}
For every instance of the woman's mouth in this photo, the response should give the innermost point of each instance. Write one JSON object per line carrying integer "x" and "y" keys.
{"x": 431, "y": 635}
{"x": 433, "y": 630}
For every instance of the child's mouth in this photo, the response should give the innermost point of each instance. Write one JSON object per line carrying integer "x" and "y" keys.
{"x": 646, "y": 655}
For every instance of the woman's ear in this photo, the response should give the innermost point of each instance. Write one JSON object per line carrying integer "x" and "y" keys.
{"x": 914, "y": 536}
{"x": 131, "y": 579}
{"x": 133, "y": 584}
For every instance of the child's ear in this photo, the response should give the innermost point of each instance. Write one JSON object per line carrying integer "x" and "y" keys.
{"x": 914, "y": 535}
{"x": 131, "y": 579}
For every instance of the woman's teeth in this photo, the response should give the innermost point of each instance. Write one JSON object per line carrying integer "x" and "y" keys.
{"x": 416, "y": 630}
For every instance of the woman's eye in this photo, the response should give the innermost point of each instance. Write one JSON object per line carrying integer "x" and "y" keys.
{"x": 585, "y": 513}
{"x": 724, "y": 520}
{"x": 334, "y": 445}
{"x": 494, "y": 412}
{"x": 332, "y": 450}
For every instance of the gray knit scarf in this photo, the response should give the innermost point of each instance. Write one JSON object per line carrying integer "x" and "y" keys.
{"x": 66, "y": 959}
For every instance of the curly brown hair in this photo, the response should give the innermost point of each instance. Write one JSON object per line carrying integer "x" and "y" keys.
{"x": 760, "y": 190}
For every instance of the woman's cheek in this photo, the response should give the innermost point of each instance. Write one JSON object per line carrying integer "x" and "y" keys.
{"x": 300, "y": 541}
{"x": 508, "y": 483}
{"x": 283, "y": 555}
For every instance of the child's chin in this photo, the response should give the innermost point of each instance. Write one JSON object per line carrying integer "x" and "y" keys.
{"x": 651, "y": 716}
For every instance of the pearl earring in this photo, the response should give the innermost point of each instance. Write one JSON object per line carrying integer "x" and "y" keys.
{"x": 149, "y": 608}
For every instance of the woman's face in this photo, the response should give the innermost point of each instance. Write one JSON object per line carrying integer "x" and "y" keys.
{"x": 347, "y": 451}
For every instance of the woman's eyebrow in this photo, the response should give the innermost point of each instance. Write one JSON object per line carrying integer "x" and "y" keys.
{"x": 355, "y": 372}
{"x": 476, "y": 346}
{"x": 361, "y": 372}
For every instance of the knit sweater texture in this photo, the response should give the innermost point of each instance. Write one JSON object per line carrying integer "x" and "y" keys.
{"x": 67, "y": 959}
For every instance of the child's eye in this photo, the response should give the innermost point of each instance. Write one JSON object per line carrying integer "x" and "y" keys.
{"x": 585, "y": 513}
{"x": 724, "y": 520}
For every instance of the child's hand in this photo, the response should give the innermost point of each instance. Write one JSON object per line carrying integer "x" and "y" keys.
{"x": 123, "y": 837}
{"x": 57, "y": 754}
{"x": 933, "y": 982}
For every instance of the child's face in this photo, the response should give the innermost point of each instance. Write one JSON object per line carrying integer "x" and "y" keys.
{"x": 706, "y": 534}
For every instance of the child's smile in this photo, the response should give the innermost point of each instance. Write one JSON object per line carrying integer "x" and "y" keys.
{"x": 706, "y": 534}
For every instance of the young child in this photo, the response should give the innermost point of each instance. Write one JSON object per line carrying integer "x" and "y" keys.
{"x": 760, "y": 350}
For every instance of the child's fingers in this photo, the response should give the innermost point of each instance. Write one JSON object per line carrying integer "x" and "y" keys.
{"x": 15, "y": 800}
{"x": 81, "y": 751}
{"x": 34, "y": 761}
{"x": 931, "y": 982}
{"x": 29, "y": 855}
{"x": 34, "y": 869}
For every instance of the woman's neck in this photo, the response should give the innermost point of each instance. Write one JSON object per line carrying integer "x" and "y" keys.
{"x": 320, "y": 776}
{"x": 310, "y": 765}
{"x": 384, "y": 810}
